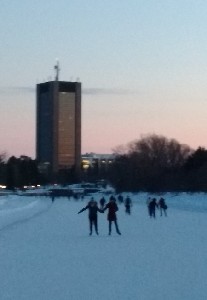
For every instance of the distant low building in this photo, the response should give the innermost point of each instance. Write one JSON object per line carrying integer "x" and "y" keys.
{"x": 96, "y": 160}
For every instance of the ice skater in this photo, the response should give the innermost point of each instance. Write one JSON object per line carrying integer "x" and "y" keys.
{"x": 112, "y": 209}
{"x": 152, "y": 207}
{"x": 102, "y": 202}
{"x": 128, "y": 204}
{"x": 92, "y": 215}
{"x": 162, "y": 206}
{"x": 148, "y": 204}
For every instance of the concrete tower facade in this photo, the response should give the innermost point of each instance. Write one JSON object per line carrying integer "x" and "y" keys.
{"x": 58, "y": 125}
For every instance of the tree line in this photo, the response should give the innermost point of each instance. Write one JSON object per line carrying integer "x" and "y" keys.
{"x": 19, "y": 172}
{"x": 152, "y": 163}
{"x": 155, "y": 163}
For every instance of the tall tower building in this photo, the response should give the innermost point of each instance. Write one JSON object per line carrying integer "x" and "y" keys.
{"x": 58, "y": 125}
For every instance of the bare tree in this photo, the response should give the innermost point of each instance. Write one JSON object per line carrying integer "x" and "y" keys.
{"x": 159, "y": 151}
{"x": 151, "y": 163}
{"x": 3, "y": 157}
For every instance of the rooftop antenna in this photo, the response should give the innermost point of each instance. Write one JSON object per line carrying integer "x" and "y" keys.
{"x": 57, "y": 70}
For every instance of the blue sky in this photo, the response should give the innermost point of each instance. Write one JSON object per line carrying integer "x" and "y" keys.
{"x": 142, "y": 65}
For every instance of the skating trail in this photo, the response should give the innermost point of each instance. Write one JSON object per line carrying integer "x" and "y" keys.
{"x": 47, "y": 254}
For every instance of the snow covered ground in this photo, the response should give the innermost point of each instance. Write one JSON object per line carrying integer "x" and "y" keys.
{"x": 47, "y": 254}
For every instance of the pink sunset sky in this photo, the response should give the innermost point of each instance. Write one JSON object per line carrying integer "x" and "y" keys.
{"x": 142, "y": 64}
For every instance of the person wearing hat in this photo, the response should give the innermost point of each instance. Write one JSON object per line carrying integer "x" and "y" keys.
{"x": 92, "y": 215}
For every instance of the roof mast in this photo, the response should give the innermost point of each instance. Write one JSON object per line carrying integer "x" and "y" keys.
{"x": 57, "y": 70}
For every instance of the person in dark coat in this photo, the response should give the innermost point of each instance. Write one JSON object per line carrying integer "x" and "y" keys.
{"x": 152, "y": 207}
{"x": 128, "y": 204}
{"x": 148, "y": 204}
{"x": 92, "y": 215}
{"x": 162, "y": 206}
{"x": 120, "y": 199}
{"x": 112, "y": 198}
{"x": 111, "y": 217}
{"x": 102, "y": 202}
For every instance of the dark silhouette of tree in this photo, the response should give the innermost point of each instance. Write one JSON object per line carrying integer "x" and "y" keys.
{"x": 197, "y": 159}
{"x": 119, "y": 172}
{"x": 12, "y": 173}
{"x": 150, "y": 164}
{"x": 28, "y": 171}
{"x": 21, "y": 171}
{"x": 3, "y": 168}
{"x": 195, "y": 171}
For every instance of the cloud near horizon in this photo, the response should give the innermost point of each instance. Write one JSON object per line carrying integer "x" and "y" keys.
{"x": 85, "y": 91}
{"x": 105, "y": 91}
